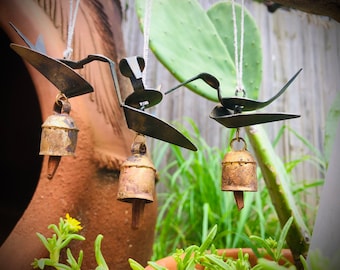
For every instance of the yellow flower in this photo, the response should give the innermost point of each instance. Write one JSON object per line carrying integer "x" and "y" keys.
{"x": 73, "y": 224}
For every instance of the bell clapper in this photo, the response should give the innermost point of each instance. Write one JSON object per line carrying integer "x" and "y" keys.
{"x": 137, "y": 212}
{"x": 238, "y": 195}
{"x": 52, "y": 166}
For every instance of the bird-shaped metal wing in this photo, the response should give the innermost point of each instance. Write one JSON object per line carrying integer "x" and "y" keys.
{"x": 69, "y": 82}
{"x": 134, "y": 105}
{"x": 229, "y": 111}
{"x": 39, "y": 44}
{"x": 248, "y": 104}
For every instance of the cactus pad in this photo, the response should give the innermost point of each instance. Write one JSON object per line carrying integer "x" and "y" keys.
{"x": 188, "y": 40}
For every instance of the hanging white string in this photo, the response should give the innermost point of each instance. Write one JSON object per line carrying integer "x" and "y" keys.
{"x": 147, "y": 16}
{"x": 238, "y": 59}
{"x": 72, "y": 21}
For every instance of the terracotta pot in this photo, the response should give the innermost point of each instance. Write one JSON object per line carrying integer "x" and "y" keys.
{"x": 170, "y": 263}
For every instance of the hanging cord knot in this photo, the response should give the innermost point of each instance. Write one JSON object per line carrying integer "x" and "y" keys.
{"x": 238, "y": 108}
{"x": 67, "y": 53}
{"x": 240, "y": 90}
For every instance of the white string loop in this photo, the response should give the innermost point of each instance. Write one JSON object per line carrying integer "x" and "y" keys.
{"x": 147, "y": 16}
{"x": 238, "y": 58}
{"x": 72, "y": 21}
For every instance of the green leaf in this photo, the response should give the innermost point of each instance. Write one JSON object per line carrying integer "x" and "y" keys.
{"x": 135, "y": 265}
{"x": 54, "y": 228}
{"x": 75, "y": 264}
{"x": 71, "y": 237}
{"x": 217, "y": 260}
{"x": 282, "y": 238}
{"x": 189, "y": 253}
{"x": 46, "y": 243}
{"x": 265, "y": 264}
{"x": 98, "y": 254}
{"x": 210, "y": 238}
{"x": 39, "y": 263}
{"x": 263, "y": 244}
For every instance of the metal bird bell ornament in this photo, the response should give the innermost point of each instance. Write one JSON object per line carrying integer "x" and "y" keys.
{"x": 238, "y": 166}
{"x": 239, "y": 171}
{"x": 58, "y": 135}
{"x": 137, "y": 180}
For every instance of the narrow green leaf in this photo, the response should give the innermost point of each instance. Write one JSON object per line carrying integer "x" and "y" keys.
{"x": 135, "y": 265}
{"x": 189, "y": 253}
{"x": 217, "y": 260}
{"x": 283, "y": 236}
{"x": 98, "y": 253}
{"x": 156, "y": 266}
{"x": 263, "y": 244}
{"x": 265, "y": 264}
{"x": 210, "y": 238}
{"x": 45, "y": 242}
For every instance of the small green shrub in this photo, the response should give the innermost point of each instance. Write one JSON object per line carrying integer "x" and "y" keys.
{"x": 206, "y": 255}
{"x": 66, "y": 231}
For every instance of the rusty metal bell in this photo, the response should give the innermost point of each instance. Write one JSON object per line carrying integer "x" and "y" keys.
{"x": 239, "y": 172}
{"x": 137, "y": 180}
{"x": 59, "y": 135}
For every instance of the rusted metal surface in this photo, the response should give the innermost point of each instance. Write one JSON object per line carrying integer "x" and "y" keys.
{"x": 136, "y": 103}
{"x": 239, "y": 172}
{"x": 63, "y": 77}
{"x": 58, "y": 136}
{"x": 137, "y": 180}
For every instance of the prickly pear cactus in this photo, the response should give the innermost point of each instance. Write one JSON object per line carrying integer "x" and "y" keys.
{"x": 188, "y": 40}
{"x": 221, "y": 16}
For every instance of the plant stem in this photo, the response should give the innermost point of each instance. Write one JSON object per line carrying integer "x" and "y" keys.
{"x": 276, "y": 180}
{"x": 55, "y": 254}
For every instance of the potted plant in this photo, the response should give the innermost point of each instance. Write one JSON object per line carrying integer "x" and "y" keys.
{"x": 269, "y": 253}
